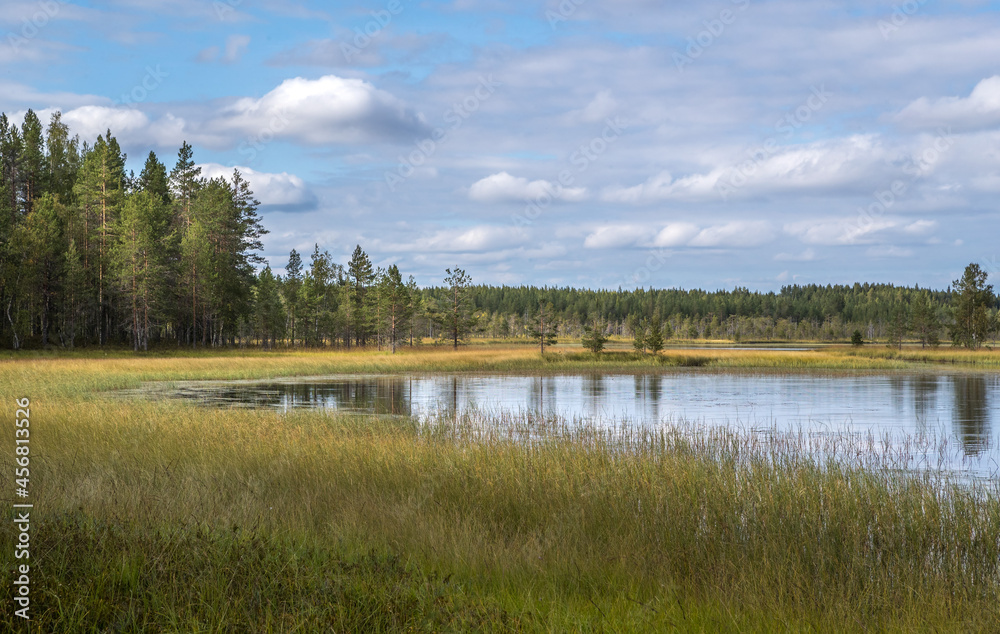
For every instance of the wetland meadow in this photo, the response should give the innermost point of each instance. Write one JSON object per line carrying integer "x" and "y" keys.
{"x": 494, "y": 488}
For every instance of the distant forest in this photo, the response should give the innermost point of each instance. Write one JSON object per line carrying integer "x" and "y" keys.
{"x": 93, "y": 256}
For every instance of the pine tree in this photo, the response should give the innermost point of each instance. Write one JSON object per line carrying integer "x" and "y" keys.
{"x": 396, "y": 304}
{"x": 455, "y": 314}
{"x": 594, "y": 338}
{"x": 898, "y": 327}
{"x": 543, "y": 328}
{"x": 415, "y": 306}
{"x": 32, "y": 161}
{"x": 43, "y": 236}
{"x": 291, "y": 290}
{"x": 74, "y": 294}
{"x": 971, "y": 301}
{"x": 924, "y": 320}
{"x": 139, "y": 262}
{"x": 654, "y": 340}
{"x": 98, "y": 192}
{"x": 638, "y": 328}
{"x": 62, "y": 160}
{"x": 268, "y": 311}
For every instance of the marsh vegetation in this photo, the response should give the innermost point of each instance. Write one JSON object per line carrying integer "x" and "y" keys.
{"x": 166, "y": 515}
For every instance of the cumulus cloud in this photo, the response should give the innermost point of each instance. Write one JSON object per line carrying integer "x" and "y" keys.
{"x": 327, "y": 110}
{"x": 130, "y": 126}
{"x": 279, "y": 191}
{"x": 504, "y": 187}
{"x": 235, "y": 46}
{"x": 615, "y": 236}
{"x": 478, "y": 239}
{"x": 980, "y": 110}
{"x": 675, "y": 234}
{"x": 735, "y": 234}
{"x": 601, "y": 107}
{"x": 854, "y": 231}
{"x": 839, "y": 166}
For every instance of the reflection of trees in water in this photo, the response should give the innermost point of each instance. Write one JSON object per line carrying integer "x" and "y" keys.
{"x": 383, "y": 395}
{"x": 542, "y": 393}
{"x": 593, "y": 393}
{"x": 925, "y": 387}
{"x": 648, "y": 388}
{"x": 971, "y": 417}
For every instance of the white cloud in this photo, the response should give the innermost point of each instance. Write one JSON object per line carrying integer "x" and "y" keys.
{"x": 324, "y": 111}
{"x": 478, "y": 239}
{"x": 615, "y": 236}
{"x": 285, "y": 191}
{"x": 236, "y": 45}
{"x": 91, "y": 121}
{"x": 837, "y": 167}
{"x": 734, "y": 234}
{"x": 133, "y": 128}
{"x": 835, "y": 232}
{"x": 675, "y": 234}
{"x": 981, "y": 109}
{"x": 921, "y": 227}
{"x": 504, "y": 187}
{"x": 680, "y": 234}
{"x": 601, "y": 107}
{"x": 806, "y": 256}
{"x": 888, "y": 251}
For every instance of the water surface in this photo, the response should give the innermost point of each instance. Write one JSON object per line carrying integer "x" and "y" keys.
{"x": 962, "y": 408}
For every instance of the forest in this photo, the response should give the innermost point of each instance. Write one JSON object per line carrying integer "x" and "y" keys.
{"x": 93, "y": 256}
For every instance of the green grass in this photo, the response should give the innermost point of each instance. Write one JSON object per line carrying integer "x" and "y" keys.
{"x": 163, "y": 516}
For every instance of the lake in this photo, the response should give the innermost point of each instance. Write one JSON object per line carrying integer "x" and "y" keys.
{"x": 962, "y": 409}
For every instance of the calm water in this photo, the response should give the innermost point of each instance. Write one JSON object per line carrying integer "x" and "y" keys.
{"x": 964, "y": 408}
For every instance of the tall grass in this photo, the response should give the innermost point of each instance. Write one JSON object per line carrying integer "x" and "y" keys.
{"x": 83, "y": 374}
{"x": 164, "y": 516}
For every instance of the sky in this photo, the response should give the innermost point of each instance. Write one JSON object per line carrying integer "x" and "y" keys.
{"x": 584, "y": 143}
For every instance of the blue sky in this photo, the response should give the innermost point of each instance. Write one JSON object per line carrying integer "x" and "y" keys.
{"x": 582, "y": 143}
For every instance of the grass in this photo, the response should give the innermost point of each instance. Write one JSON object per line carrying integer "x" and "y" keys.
{"x": 163, "y": 516}
{"x": 74, "y": 374}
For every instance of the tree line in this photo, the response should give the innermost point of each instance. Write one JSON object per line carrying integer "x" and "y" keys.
{"x": 93, "y": 256}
